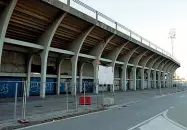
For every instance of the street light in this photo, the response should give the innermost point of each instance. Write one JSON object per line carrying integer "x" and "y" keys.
{"x": 172, "y": 36}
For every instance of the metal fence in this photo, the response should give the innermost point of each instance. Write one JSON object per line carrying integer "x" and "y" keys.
{"x": 15, "y": 104}
{"x": 77, "y": 4}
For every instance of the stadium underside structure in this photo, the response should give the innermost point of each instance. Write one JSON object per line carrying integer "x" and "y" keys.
{"x": 50, "y": 41}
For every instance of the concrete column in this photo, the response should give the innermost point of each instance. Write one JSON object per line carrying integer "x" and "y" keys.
{"x": 154, "y": 78}
{"x": 150, "y": 65}
{"x": 5, "y": 16}
{"x": 76, "y": 47}
{"x": 113, "y": 55}
{"x": 44, "y": 57}
{"x": 134, "y": 78}
{"x": 45, "y": 40}
{"x": 96, "y": 81}
{"x": 159, "y": 79}
{"x": 169, "y": 80}
{"x": 125, "y": 58}
{"x": 80, "y": 77}
{"x": 142, "y": 78}
{"x": 58, "y": 77}
{"x": 164, "y": 80}
{"x": 123, "y": 85}
{"x": 29, "y": 63}
{"x": 97, "y": 52}
{"x": 168, "y": 70}
{"x": 149, "y": 78}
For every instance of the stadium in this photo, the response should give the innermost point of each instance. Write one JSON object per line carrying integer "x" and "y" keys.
{"x": 45, "y": 44}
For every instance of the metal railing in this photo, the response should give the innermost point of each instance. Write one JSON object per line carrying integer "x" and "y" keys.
{"x": 117, "y": 25}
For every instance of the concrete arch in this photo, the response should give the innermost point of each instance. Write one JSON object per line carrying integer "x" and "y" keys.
{"x": 113, "y": 55}
{"x": 155, "y": 66}
{"x": 66, "y": 64}
{"x": 76, "y": 47}
{"x": 168, "y": 79}
{"x": 125, "y": 58}
{"x": 29, "y": 67}
{"x": 144, "y": 63}
{"x": 97, "y": 52}
{"x": 135, "y": 62}
{"x": 165, "y": 73}
{"x": 150, "y": 66}
{"x": 45, "y": 40}
{"x": 5, "y": 16}
{"x": 81, "y": 74}
{"x": 160, "y": 67}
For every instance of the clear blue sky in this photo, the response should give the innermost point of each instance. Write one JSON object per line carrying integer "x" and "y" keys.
{"x": 151, "y": 19}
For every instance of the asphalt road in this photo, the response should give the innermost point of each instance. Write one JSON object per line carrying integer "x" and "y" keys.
{"x": 121, "y": 118}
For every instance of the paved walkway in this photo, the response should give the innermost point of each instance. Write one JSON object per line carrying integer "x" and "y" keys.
{"x": 54, "y": 106}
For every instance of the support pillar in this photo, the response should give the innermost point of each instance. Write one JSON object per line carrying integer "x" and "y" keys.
{"x": 164, "y": 85}
{"x": 80, "y": 77}
{"x": 154, "y": 78}
{"x": 96, "y": 81}
{"x": 5, "y": 16}
{"x": 29, "y": 74}
{"x": 134, "y": 78}
{"x": 159, "y": 80}
{"x": 58, "y": 77}
{"x": 123, "y": 85}
{"x": 149, "y": 78}
{"x": 142, "y": 78}
{"x": 45, "y": 40}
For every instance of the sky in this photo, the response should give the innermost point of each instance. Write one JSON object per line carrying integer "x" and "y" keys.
{"x": 151, "y": 19}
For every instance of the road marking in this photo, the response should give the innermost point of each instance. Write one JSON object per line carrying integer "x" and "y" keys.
{"x": 138, "y": 125}
{"x": 160, "y": 123}
{"x": 116, "y": 106}
{"x": 175, "y": 123}
{"x": 54, "y": 121}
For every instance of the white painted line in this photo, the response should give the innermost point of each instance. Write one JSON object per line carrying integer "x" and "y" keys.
{"x": 159, "y": 123}
{"x": 138, "y": 125}
{"x": 175, "y": 123}
{"x": 62, "y": 120}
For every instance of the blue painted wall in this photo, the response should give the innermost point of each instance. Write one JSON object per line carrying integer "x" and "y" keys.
{"x": 35, "y": 86}
{"x": 8, "y": 87}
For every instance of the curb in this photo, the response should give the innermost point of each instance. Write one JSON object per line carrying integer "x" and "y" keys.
{"x": 175, "y": 123}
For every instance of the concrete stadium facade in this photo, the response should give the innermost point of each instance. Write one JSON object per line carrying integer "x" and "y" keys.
{"x": 50, "y": 39}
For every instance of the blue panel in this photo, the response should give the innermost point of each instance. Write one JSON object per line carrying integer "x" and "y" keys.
{"x": 50, "y": 86}
{"x": 88, "y": 85}
{"x": 62, "y": 88}
{"x": 8, "y": 85}
{"x": 35, "y": 86}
